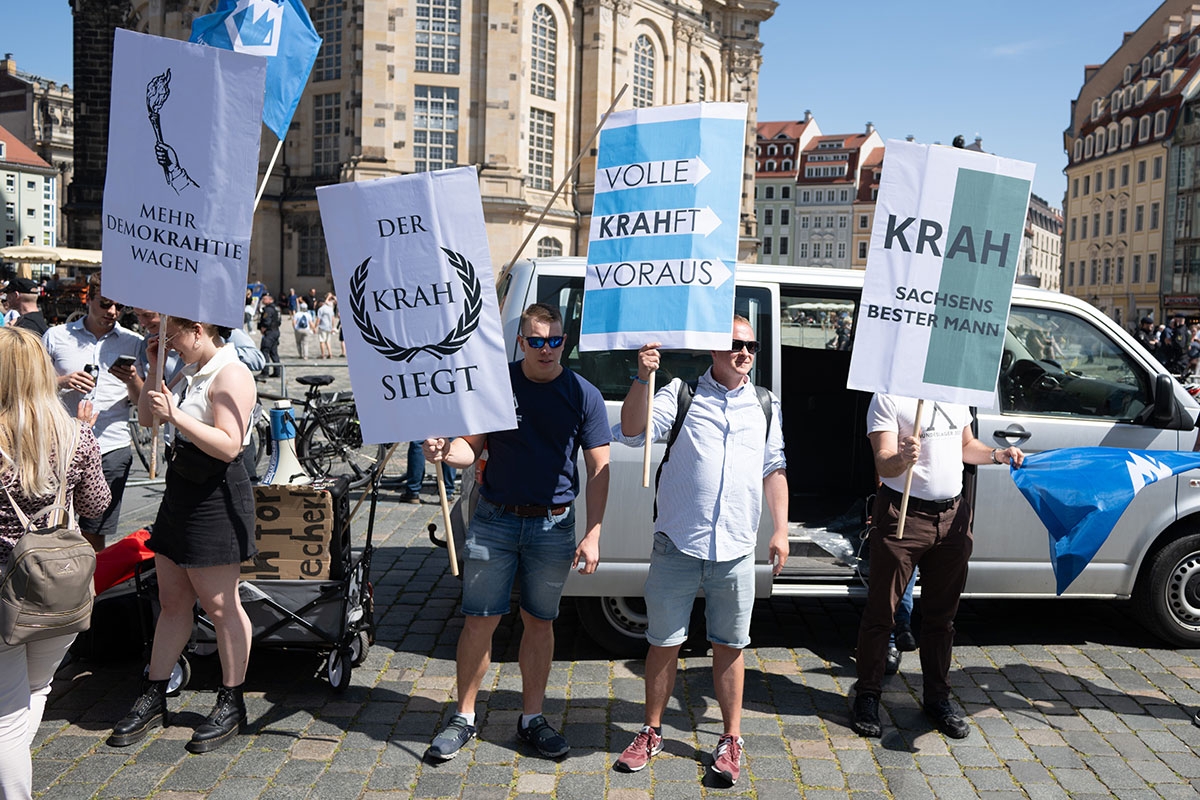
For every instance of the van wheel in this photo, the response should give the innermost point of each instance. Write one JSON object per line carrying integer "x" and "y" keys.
{"x": 1167, "y": 596}
{"x": 618, "y": 624}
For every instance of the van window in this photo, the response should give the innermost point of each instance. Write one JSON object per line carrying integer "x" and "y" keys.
{"x": 817, "y": 323}
{"x": 612, "y": 371}
{"x": 1060, "y": 365}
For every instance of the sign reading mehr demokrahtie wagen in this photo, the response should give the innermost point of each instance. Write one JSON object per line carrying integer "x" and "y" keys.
{"x": 182, "y": 164}
{"x": 415, "y": 292}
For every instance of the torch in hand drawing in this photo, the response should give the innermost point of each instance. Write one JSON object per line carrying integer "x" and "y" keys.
{"x": 157, "y": 92}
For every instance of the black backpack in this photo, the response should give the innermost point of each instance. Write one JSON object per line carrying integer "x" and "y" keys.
{"x": 684, "y": 401}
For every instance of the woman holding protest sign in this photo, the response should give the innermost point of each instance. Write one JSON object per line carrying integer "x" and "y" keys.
{"x": 204, "y": 528}
{"x": 35, "y": 431}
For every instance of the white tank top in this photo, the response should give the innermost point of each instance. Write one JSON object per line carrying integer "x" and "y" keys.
{"x": 192, "y": 392}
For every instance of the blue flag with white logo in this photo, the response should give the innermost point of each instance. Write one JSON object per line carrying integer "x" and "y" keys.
{"x": 281, "y": 31}
{"x": 1079, "y": 493}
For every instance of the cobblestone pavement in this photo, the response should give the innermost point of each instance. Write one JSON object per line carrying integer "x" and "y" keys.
{"x": 1065, "y": 699}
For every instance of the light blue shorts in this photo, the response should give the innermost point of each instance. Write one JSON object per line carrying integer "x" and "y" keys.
{"x": 671, "y": 588}
{"x": 501, "y": 547}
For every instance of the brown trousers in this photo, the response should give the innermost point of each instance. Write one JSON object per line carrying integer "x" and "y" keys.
{"x": 940, "y": 543}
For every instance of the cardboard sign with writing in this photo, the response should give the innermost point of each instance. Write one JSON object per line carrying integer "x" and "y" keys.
{"x": 296, "y": 530}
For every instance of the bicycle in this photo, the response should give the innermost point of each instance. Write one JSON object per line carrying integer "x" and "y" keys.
{"x": 328, "y": 435}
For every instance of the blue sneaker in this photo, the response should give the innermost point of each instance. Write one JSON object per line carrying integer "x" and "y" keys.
{"x": 547, "y": 741}
{"x": 453, "y": 737}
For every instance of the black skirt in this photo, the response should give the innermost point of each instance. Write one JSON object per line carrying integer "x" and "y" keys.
{"x": 206, "y": 524}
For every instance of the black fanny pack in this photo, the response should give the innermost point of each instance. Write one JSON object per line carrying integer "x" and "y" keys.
{"x": 191, "y": 463}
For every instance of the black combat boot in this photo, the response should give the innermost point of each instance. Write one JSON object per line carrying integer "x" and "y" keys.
{"x": 227, "y": 718}
{"x": 149, "y": 710}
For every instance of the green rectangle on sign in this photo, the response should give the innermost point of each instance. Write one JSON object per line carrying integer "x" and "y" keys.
{"x": 982, "y": 244}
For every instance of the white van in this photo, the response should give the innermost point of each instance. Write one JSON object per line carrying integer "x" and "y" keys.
{"x": 1069, "y": 377}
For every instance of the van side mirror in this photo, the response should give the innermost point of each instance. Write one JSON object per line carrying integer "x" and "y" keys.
{"x": 1166, "y": 413}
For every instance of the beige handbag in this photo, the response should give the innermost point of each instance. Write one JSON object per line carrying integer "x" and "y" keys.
{"x": 47, "y": 586}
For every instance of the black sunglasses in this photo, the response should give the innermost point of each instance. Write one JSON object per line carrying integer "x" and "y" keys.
{"x": 106, "y": 304}
{"x": 537, "y": 342}
{"x": 751, "y": 346}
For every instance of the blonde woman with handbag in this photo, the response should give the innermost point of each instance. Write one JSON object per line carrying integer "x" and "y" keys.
{"x": 35, "y": 430}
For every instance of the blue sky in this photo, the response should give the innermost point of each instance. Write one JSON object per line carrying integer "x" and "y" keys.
{"x": 1004, "y": 71}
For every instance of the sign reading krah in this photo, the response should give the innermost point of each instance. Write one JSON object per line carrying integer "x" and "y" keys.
{"x": 663, "y": 240}
{"x": 182, "y": 164}
{"x": 940, "y": 272}
{"x": 422, "y": 327}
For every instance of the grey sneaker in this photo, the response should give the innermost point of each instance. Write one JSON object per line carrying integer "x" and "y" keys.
{"x": 547, "y": 741}
{"x": 446, "y": 744}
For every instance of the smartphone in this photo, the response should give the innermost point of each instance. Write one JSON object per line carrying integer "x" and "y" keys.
{"x": 125, "y": 361}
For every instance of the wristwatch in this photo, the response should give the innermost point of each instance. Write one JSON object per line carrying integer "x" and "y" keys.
{"x": 994, "y": 459}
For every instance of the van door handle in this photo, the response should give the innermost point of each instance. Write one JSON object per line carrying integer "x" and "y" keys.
{"x": 1013, "y": 432}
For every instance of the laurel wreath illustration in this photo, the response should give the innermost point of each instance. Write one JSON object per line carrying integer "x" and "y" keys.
{"x": 451, "y": 343}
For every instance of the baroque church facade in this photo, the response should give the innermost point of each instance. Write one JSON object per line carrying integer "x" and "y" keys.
{"x": 515, "y": 89}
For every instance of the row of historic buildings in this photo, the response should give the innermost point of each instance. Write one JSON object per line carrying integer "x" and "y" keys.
{"x": 513, "y": 88}
{"x": 1132, "y": 208}
{"x": 36, "y": 155}
{"x": 815, "y": 193}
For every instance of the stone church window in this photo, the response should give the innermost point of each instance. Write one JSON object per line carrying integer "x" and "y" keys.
{"x": 643, "y": 72}
{"x": 543, "y": 60}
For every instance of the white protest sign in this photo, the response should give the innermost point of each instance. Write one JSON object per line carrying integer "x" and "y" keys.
{"x": 422, "y": 326}
{"x": 663, "y": 238}
{"x": 940, "y": 272}
{"x": 182, "y": 164}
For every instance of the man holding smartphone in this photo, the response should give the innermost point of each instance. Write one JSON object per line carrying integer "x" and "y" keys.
{"x": 96, "y": 361}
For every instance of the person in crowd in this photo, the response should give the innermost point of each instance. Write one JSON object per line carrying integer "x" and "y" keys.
{"x": 248, "y": 311}
{"x": 1146, "y": 335}
{"x": 303, "y": 322}
{"x": 10, "y": 315}
{"x": 35, "y": 433}
{"x": 325, "y": 326}
{"x": 937, "y": 537}
{"x": 292, "y": 301}
{"x": 247, "y": 352}
{"x": 268, "y": 324}
{"x": 727, "y": 457}
{"x": 1173, "y": 345}
{"x": 524, "y": 525}
{"x": 96, "y": 360}
{"x": 312, "y": 299}
{"x": 415, "y": 475}
{"x": 204, "y": 529}
{"x": 23, "y": 296}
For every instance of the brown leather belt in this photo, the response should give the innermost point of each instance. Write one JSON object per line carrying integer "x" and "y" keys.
{"x": 917, "y": 504}
{"x": 535, "y": 511}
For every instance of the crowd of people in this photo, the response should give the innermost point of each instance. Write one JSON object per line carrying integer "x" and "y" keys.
{"x": 1176, "y": 344}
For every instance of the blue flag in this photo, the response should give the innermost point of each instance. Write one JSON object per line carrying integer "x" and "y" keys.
{"x": 277, "y": 29}
{"x": 1079, "y": 493}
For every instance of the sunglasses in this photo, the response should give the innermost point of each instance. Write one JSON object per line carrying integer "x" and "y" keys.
{"x": 106, "y": 304}
{"x": 751, "y": 346}
{"x": 537, "y": 342}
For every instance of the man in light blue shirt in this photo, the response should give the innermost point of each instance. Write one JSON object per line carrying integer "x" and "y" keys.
{"x": 727, "y": 456}
{"x": 95, "y": 359}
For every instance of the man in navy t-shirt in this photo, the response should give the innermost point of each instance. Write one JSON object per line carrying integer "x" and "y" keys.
{"x": 524, "y": 525}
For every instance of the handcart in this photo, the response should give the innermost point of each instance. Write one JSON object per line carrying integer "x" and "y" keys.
{"x": 334, "y": 616}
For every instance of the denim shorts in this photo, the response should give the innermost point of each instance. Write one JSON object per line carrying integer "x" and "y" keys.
{"x": 501, "y": 547}
{"x": 671, "y": 589}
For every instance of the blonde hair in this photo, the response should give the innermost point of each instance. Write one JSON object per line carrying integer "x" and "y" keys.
{"x": 34, "y": 425}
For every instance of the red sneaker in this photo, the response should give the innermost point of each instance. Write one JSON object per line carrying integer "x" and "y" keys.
{"x": 727, "y": 758}
{"x": 645, "y": 746}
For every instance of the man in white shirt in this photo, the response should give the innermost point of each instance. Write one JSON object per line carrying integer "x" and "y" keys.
{"x": 727, "y": 456}
{"x": 85, "y": 354}
{"x": 937, "y": 536}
